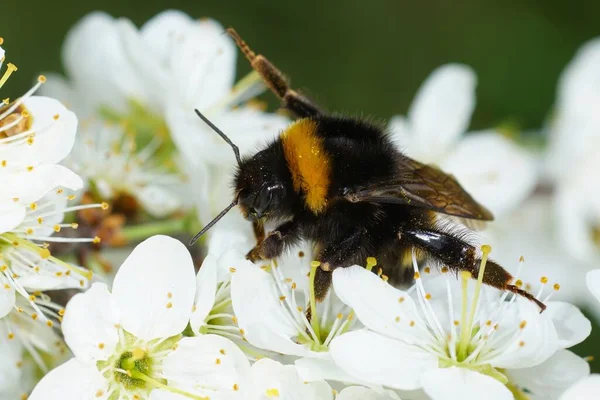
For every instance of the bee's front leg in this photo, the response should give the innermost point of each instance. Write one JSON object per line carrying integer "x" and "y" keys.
{"x": 276, "y": 241}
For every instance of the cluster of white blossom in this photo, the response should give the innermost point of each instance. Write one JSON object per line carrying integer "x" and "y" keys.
{"x": 241, "y": 330}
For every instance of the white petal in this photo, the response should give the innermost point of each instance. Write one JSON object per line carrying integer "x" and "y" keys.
{"x": 92, "y": 53}
{"x": 12, "y": 353}
{"x": 442, "y": 109}
{"x": 401, "y": 135}
{"x": 254, "y": 295}
{"x": 154, "y": 288}
{"x": 463, "y": 384}
{"x": 579, "y": 87}
{"x": 74, "y": 380}
{"x": 552, "y": 377}
{"x": 495, "y": 171}
{"x": 89, "y": 324}
{"x": 11, "y": 215}
{"x": 571, "y": 325}
{"x": 7, "y": 296}
{"x": 585, "y": 389}
{"x": 207, "y": 360}
{"x": 206, "y": 288}
{"x": 378, "y": 304}
{"x": 314, "y": 369}
{"x": 160, "y": 31}
{"x": 158, "y": 201}
{"x": 380, "y": 360}
{"x": 363, "y": 393}
{"x": 592, "y": 279}
{"x": 30, "y": 186}
{"x": 267, "y": 376}
{"x": 528, "y": 346}
{"x": 203, "y": 66}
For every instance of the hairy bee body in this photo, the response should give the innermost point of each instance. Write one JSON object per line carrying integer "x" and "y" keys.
{"x": 342, "y": 184}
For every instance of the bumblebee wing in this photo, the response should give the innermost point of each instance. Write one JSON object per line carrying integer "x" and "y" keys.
{"x": 423, "y": 186}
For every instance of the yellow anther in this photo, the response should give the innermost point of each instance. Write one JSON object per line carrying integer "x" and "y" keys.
{"x": 444, "y": 270}
{"x": 556, "y": 287}
{"x": 50, "y": 324}
{"x": 101, "y": 346}
{"x": 272, "y": 392}
{"x": 42, "y": 79}
{"x": 523, "y": 324}
{"x": 44, "y": 253}
{"x": 104, "y": 206}
{"x": 10, "y": 68}
{"x": 71, "y": 197}
{"x": 417, "y": 275}
{"x": 401, "y": 300}
{"x": 397, "y": 319}
{"x": 519, "y": 283}
{"x": 521, "y": 343}
{"x": 427, "y": 270}
{"x": 33, "y": 206}
{"x": 232, "y": 270}
{"x": 138, "y": 354}
{"x": 3, "y": 163}
{"x": 29, "y": 231}
{"x": 56, "y": 117}
{"x": 521, "y": 259}
{"x": 222, "y": 351}
{"x": 56, "y": 228}
{"x": 428, "y": 296}
{"x": 169, "y": 305}
{"x": 465, "y": 275}
{"x": 281, "y": 298}
{"x": 29, "y": 168}
{"x": 412, "y": 323}
{"x": 544, "y": 279}
{"x": 315, "y": 264}
{"x": 486, "y": 249}
{"x": 96, "y": 239}
{"x": 74, "y": 225}
{"x": 218, "y": 361}
{"x": 371, "y": 262}
{"x": 236, "y": 387}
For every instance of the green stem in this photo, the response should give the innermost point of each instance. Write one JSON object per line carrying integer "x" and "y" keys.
{"x": 314, "y": 320}
{"x": 155, "y": 383}
{"x": 139, "y": 232}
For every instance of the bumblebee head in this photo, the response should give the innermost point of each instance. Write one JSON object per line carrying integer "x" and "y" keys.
{"x": 260, "y": 184}
{"x": 260, "y": 188}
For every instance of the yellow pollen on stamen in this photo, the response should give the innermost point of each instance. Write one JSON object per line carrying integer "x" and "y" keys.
{"x": 45, "y": 253}
{"x": 521, "y": 343}
{"x": 397, "y": 319}
{"x": 428, "y": 296}
{"x": 11, "y": 336}
{"x": 3, "y": 163}
{"x": 33, "y": 206}
{"x": 281, "y": 298}
{"x": 169, "y": 305}
{"x": 56, "y": 117}
{"x": 40, "y": 220}
{"x": 556, "y": 287}
{"x": 236, "y": 387}
{"x": 59, "y": 191}
{"x": 427, "y": 270}
{"x": 56, "y": 228}
{"x": 519, "y": 283}
{"x": 417, "y": 275}
{"x": 523, "y": 324}
{"x": 222, "y": 351}
{"x": 315, "y": 264}
{"x": 169, "y": 295}
{"x": 371, "y": 262}
{"x": 272, "y": 392}
{"x": 232, "y": 270}
{"x": 96, "y": 240}
{"x": 99, "y": 393}
{"x": 401, "y": 300}
{"x": 74, "y": 225}
{"x": 10, "y": 68}
{"x": 101, "y": 346}
{"x": 49, "y": 323}
{"x": 218, "y": 361}
{"x": 444, "y": 270}
{"x": 29, "y": 231}
{"x": 412, "y": 323}
{"x": 544, "y": 279}
{"x": 30, "y": 168}
{"x": 456, "y": 323}
{"x": 71, "y": 197}
{"x": 104, "y": 206}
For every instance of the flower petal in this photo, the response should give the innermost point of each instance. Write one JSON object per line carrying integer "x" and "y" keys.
{"x": 11, "y": 215}
{"x": 553, "y": 376}
{"x": 377, "y": 359}
{"x": 30, "y": 186}
{"x": 314, "y": 369}
{"x": 571, "y": 325}
{"x": 7, "y": 296}
{"x": 441, "y": 110}
{"x": 158, "y": 201}
{"x": 154, "y": 288}
{"x": 254, "y": 295}
{"x": 494, "y": 170}
{"x": 585, "y": 389}
{"x": 463, "y": 384}
{"x": 206, "y": 289}
{"x": 592, "y": 279}
{"x": 378, "y": 305}
{"x": 363, "y": 393}
{"x": 282, "y": 381}
{"x": 206, "y": 361}
{"x": 528, "y": 346}
{"x": 74, "y": 380}
{"x": 89, "y": 324}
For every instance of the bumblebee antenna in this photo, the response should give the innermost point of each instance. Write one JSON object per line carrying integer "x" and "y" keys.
{"x": 235, "y": 149}
{"x": 214, "y": 221}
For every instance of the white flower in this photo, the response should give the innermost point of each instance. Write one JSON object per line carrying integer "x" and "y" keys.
{"x": 572, "y": 155}
{"x": 585, "y": 389}
{"x": 109, "y": 158}
{"x": 491, "y": 168}
{"x": 36, "y": 133}
{"x": 593, "y": 283}
{"x": 128, "y": 343}
{"x": 270, "y": 379}
{"x": 363, "y": 393}
{"x": 271, "y": 303}
{"x": 452, "y": 340}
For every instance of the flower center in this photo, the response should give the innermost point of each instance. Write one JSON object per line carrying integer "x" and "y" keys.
{"x": 130, "y": 366}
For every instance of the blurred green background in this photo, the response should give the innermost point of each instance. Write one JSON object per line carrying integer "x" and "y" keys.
{"x": 360, "y": 57}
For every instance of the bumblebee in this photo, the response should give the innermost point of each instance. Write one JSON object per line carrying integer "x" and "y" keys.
{"x": 341, "y": 183}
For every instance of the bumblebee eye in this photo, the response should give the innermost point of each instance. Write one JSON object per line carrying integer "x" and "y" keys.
{"x": 263, "y": 199}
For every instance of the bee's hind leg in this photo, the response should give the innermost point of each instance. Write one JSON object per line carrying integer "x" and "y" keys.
{"x": 274, "y": 79}
{"x": 458, "y": 255}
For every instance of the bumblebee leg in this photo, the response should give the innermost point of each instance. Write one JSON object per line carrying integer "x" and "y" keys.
{"x": 345, "y": 252}
{"x": 323, "y": 281}
{"x": 276, "y": 241}
{"x": 459, "y": 255}
{"x": 275, "y": 80}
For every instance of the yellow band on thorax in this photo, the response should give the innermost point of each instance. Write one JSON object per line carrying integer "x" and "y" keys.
{"x": 308, "y": 162}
